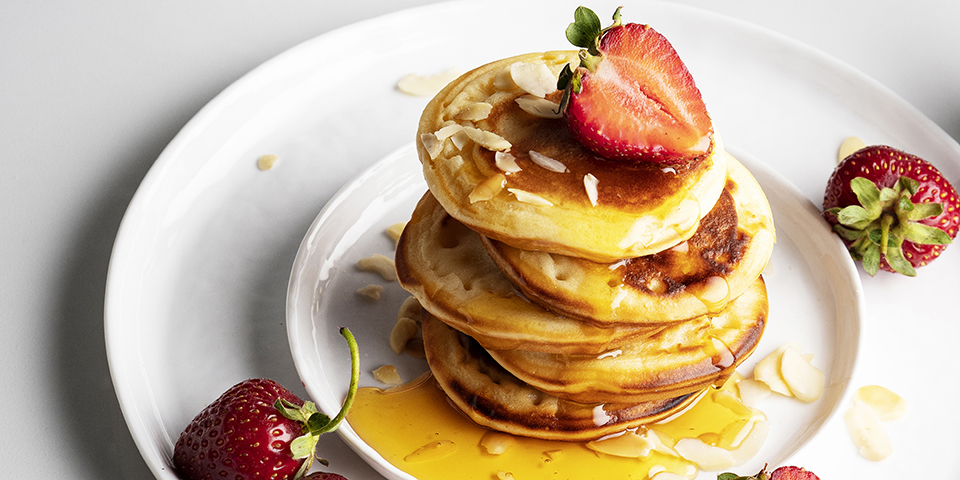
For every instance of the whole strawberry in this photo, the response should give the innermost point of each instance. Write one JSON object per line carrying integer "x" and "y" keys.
{"x": 782, "y": 473}
{"x": 257, "y": 430}
{"x": 632, "y": 98}
{"x": 894, "y": 210}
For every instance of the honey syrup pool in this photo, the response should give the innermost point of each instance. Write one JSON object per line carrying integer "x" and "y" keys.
{"x": 417, "y": 430}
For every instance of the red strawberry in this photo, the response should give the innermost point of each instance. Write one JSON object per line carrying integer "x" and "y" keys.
{"x": 895, "y": 211}
{"x": 324, "y": 476}
{"x": 632, "y": 97}
{"x": 792, "y": 473}
{"x": 782, "y": 473}
{"x": 257, "y": 430}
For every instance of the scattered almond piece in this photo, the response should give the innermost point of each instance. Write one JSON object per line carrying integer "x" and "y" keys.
{"x": 402, "y": 332}
{"x": 531, "y": 198}
{"x": 488, "y": 188}
{"x": 414, "y": 348}
{"x": 768, "y": 371}
{"x": 539, "y": 107}
{"x": 752, "y": 392}
{"x": 506, "y": 162}
{"x": 547, "y": 162}
{"x": 431, "y": 144}
{"x": 848, "y": 146}
{"x": 410, "y": 308}
{"x": 629, "y": 445}
{"x": 488, "y": 140}
{"x": 804, "y": 380}
{"x": 267, "y": 162}
{"x": 459, "y": 139}
{"x": 533, "y": 78}
{"x": 426, "y": 85}
{"x": 387, "y": 374}
{"x": 748, "y": 447}
{"x": 448, "y": 131}
{"x": 497, "y": 443}
{"x": 888, "y": 405}
{"x": 590, "y": 184}
{"x": 502, "y": 475}
{"x": 371, "y": 291}
{"x": 474, "y": 111}
{"x": 394, "y": 231}
{"x": 867, "y": 432}
{"x": 381, "y": 264}
{"x": 707, "y": 457}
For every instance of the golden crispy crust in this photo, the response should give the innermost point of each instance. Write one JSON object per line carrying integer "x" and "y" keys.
{"x": 492, "y": 397}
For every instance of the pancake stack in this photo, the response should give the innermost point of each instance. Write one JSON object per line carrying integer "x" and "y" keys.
{"x": 568, "y": 296}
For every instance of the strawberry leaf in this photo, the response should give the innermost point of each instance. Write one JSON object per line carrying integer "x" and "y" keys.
{"x": 855, "y": 216}
{"x": 923, "y": 210}
{"x": 584, "y": 30}
{"x": 848, "y": 234}
{"x": 304, "y": 446}
{"x": 318, "y": 422}
{"x": 923, "y": 234}
{"x": 909, "y": 184}
{"x": 894, "y": 257}
{"x": 868, "y": 194}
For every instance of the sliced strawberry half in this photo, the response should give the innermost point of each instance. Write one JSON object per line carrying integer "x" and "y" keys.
{"x": 632, "y": 98}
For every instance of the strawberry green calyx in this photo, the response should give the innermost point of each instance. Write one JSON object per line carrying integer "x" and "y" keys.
{"x": 884, "y": 219}
{"x": 316, "y": 423}
{"x": 585, "y": 32}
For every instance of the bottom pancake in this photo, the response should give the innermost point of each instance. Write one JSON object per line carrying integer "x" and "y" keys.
{"x": 494, "y": 398}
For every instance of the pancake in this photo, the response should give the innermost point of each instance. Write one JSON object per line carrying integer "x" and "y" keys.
{"x": 641, "y": 208}
{"x": 443, "y": 264}
{"x": 494, "y": 398}
{"x": 679, "y": 359}
{"x": 722, "y": 259}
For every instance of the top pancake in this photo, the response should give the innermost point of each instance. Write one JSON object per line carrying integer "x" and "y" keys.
{"x": 698, "y": 277}
{"x": 641, "y": 208}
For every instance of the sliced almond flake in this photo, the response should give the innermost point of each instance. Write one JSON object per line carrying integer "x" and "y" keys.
{"x": 547, "y": 162}
{"x": 867, "y": 432}
{"x": 590, "y": 183}
{"x": 448, "y": 131}
{"x": 474, "y": 111}
{"x": 506, "y": 162}
{"x": 426, "y": 85}
{"x": 381, "y": 264}
{"x": 267, "y": 162}
{"x": 488, "y": 188}
{"x": 533, "y": 78}
{"x": 431, "y": 144}
{"x": 394, "y": 231}
{"x": 539, "y": 107}
{"x": 371, "y": 291}
{"x": 848, "y": 147}
{"x": 888, "y": 405}
{"x": 531, "y": 198}
{"x": 387, "y": 374}
{"x": 488, "y": 140}
{"x": 460, "y": 139}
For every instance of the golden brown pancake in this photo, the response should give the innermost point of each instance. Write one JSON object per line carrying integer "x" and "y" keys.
{"x": 641, "y": 208}
{"x": 680, "y": 359}
{"x": 494, "y": 398}
{"x": 443, "y": 264}
{"x": 700, "y": 276}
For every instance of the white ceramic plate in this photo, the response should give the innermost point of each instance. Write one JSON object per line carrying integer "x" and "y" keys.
{"x": 197, "y": 282}
{"x": 813, "y": 287}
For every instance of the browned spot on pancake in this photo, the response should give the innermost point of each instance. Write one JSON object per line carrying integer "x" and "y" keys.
{"x": 623, "y": 185}
{"x": 715, "y": 250}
